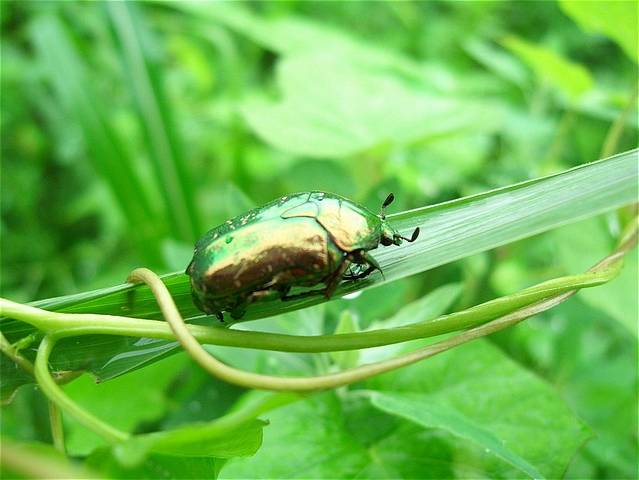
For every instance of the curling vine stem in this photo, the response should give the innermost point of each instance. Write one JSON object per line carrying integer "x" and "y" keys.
{"x": 76, "y": 324}
{"x": 606, "y": 269}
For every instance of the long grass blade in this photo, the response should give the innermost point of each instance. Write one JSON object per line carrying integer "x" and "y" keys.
{"x": 162, "y": 138}
{"x": 450, "y": 231}
{"x": 64, "y": 70}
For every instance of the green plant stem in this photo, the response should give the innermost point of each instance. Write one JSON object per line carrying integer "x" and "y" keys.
{"x": 58, "y": 397}
{"x": 321, "y": 382}
{"x": 57, "y": 428}
{"x": 12, "y": 352}
{"x": 31, "y": 462}
{"x": 562, "y": 130}
{"x": 608, "y": 268}
{"x": 616, "y": 129}
{"x": 74, "y": 324}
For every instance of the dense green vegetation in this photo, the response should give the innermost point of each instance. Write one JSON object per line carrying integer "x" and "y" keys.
{"x": 130, "y": 129}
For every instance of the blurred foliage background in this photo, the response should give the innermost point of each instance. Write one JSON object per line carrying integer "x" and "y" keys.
{"x": 128, "y": 130}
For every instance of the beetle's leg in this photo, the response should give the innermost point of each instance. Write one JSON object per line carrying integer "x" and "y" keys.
{"x": 336, "y": 277}
{"x": 239, "y": 309}
{"x": 362, "y": 257}
{"x": 284, "y": 292}
{"x": 370, "y": 260}
{"x": 220, "y": 316}
{"x": 358, "y": 276}
{"x": 273, "y": 293}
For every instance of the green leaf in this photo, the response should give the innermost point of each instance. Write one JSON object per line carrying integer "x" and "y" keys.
{"x": 304, "y": 440}
{"x": 419, "y": 409}
{"x": 592, "y": 359}
{"x": 618, "y": 20}
{"x": 570, "y": 78}
{"x": 450, "y": 231}
{"x": 156, "y": 466}
{"x": 126, "y": 403}
{"x": 237, "y": 433}
{"x": 350, "y": 106}
{"x": 292, "y": 35}
{"x": 326, "y": 436}
{"x": 476, "y": 393}
{"x": 194, "y": 440}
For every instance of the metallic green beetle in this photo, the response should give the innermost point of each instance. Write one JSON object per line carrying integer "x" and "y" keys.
{"x": 299, "y": 240}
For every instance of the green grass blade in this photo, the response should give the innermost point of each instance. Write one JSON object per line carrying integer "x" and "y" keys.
{"x": 450, "y": 231}
{"x": 162, "y": 138}
{"x": 460, "y": 228}
{"x": 64, "y": 70}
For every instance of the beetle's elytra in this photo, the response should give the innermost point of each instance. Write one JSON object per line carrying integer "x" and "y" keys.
{"x": 299, "y": 240}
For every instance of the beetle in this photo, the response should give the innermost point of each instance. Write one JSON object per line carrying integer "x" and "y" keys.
{"x": 299, "y": 240}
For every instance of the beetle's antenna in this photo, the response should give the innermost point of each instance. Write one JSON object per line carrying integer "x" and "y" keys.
{"x": 386, "y": 203}
{"x": 413, "y": 237}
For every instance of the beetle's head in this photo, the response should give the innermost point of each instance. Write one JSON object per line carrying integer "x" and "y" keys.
{"x": 390, "y": 236}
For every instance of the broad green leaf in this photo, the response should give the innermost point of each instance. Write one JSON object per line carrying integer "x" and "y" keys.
{"x": 450, "y": 231}
{"x": 176, "y": 254}
{"x": 569, "y": 77}
{"x": 126, "y": 403}
{"x": 319, "y": 174}
{"x": 304, "y": 440}
{"x": 322, "y": 437}
{"x": 237, "y": 433}
{"x": 581, "y": 245}
{"x": 193, "y": 440}
{"x": 476, "y": 393}
{"x": 618, "y": 20}
{"x": 292, "y": 35}
{"x": 156, "y": 466}
{"x": 592, "y": 359}
{"x": 445, "y": 164}
{"x": 419, "y": 409}
{"x": 333, "y": 106}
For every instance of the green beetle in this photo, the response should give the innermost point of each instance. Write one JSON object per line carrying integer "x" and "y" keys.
{"x": 299, "y": 240}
